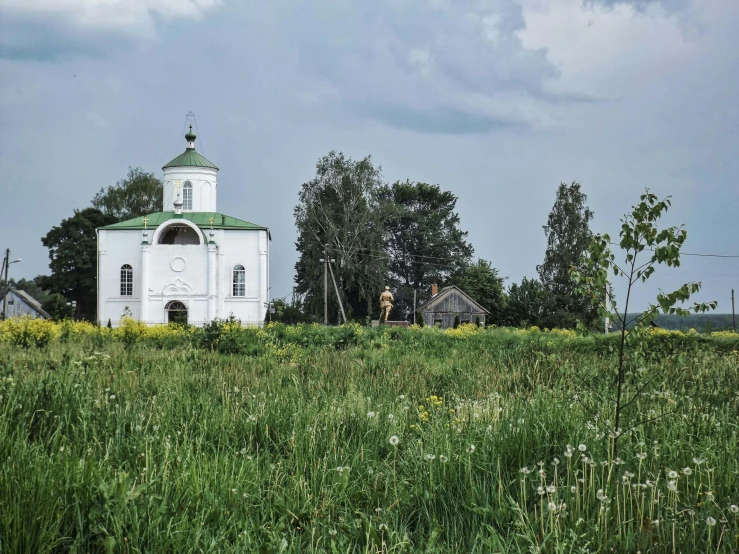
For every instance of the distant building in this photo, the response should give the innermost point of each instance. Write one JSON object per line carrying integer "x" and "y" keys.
{"x": 189, "y": 263}
{"x": 19, "y": 303}
{"x": 445, "y": 306}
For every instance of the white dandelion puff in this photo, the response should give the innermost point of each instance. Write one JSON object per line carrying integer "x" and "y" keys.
{"x": 394, "y": 440}
{"x": 672, "y": 474}
{"x": 582, "y": 448}
{"x": 734, "y": 509}
{"x": 710, "y": 521}
{"x": 430, "y": 457}
{"x": 443, "y": 459}
{"x": 687, "y": 471}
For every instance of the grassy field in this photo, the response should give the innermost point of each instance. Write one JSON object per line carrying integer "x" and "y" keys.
{"x": 362, "y": 440}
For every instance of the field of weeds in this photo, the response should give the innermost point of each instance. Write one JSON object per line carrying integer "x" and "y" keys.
{"x": 308, "y": 439}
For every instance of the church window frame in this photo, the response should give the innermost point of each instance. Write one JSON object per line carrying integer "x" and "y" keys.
{"x": 126, "y": 280}
{"x": 187, "y": 196}
{"x": 238, "y": 281}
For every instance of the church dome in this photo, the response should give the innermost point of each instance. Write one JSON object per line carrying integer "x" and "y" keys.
{"x": 190, "y": 158}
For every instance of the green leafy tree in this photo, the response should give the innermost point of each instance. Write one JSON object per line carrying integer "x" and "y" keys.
{"x": 57, "y": 307}
{"x": 568, "y": 238}
{"x": 338, "y": 215}
{"x": 423, "y": 240}
{"x": 485, "y": 285}
{"x": 644, "y": 246}
{"x": 528, "y": 304}
{"x": 139, "y": 193}
{"x": 73, "y": 259}
{"x": 32, "y": 287}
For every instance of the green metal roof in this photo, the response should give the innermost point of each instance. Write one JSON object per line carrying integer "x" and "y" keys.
{"x": 201, "y": 219}
{"x": 190, "y": 158}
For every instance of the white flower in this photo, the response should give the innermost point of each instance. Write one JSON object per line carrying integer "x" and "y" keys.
{"x": 672, "y": 474}
{"x": 698, "y": 461}
{"x": 390, "y": 416}
{"x": 687, "y": 471}
{"x": 525, "y": 470}
{"x": 112, "y": 396}
{"x": 233, "y": 491}
{"x": 641, "y": 456}
{"x": 371, "y": 414}
{"x": 552, "y": 507}
{"x": 540, "y": 490}
{"x": 582, "y": 448}
{"x": 471, "y": 449}
{"x": 430, "y": 457}
{"x": 710, "y": 521}
{"x": 734, "y": 509}
{"x": 573, "y": 489}
{"x": 551, "y": 489}
{"x": 443, "y": 459}
{"x": 394, "y": 440}
{"x": 402, "y": 397}
{"x": 555, "y": 462}
{"x": 672, "y": 486}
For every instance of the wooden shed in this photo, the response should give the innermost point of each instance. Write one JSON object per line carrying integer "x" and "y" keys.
{"x": 442, "y": 309}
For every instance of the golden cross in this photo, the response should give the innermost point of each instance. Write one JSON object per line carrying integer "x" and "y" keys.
{"x": 146, "y": 220}
{"x": 211, "y": 221}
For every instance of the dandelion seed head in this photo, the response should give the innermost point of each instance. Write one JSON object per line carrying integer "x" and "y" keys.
{"x": 582, "y": 448}
{"x": 687, "y": 471}
{"x": 734, "y": 509}
{"x": 672, "y": 474}
{"x": 470, "y": 449}
{"x": 443, "y": 459}
{"x": 394, "y": 440}
{"x": 710, "y": 521}
{"x": 430, "y": 457}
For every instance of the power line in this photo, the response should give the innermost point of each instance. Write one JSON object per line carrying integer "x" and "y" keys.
{"x": 691, "y": 253}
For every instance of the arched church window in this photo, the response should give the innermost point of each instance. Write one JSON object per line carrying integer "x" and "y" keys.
{"x": 126, "y": 280}
{"x": 187, "y": 196}
{"x": 239, "y": 281}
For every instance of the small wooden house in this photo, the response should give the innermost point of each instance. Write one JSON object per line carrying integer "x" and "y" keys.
{"x": 19, "y": 303}
{"x": 448, "y": 304}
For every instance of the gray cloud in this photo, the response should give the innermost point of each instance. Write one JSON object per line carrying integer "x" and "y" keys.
{"x": 641, "y": 5}
{"x": 43, "y": 38}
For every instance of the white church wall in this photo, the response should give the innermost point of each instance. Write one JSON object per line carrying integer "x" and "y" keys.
{"x": 118, "y": 248}
{"x": 180, "y": 272}
{"x": 242, "y": 248}
{"x": 203, "y": 182}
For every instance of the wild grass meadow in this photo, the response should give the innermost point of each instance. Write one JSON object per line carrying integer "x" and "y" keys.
{"x": 356, "y": 440}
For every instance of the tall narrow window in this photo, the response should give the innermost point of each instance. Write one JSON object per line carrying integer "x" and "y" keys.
{"x": 187, "y": 196}
{"x": 239, "y": 284}
{"x": 126, "y": 280}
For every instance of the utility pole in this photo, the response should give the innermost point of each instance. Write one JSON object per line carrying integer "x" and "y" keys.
{"x": 733, "y": 316}
{"x": 608, "y": 307}
{"x": 415, "y": 290}
{"x": 326, "y": 260}
{"x": 338, "y": 297}
{"x": 6, "y": 263}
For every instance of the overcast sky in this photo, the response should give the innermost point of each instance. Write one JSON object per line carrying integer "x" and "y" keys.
{"x": 496, "y": 100}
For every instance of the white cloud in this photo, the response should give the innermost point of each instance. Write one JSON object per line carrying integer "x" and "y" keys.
{"x": 131, "y": 16}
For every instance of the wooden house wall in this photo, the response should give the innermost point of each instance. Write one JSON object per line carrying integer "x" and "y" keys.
{"x": 448, "y": 308}
{"x": 17, "y": 307}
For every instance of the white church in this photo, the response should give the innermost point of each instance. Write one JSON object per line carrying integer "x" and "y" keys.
{"x": 189, "y": 263}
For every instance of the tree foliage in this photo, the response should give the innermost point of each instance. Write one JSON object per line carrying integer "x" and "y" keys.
{"x": 644, "y": 246}
{"x": 73, "y": 259}
{"x": 528, "y": 304}
{"x": 423, "y": 240}
{"x": 568, "y": 238}
{"x": 482, "y": 282}
{"x": 338, "y": 213}
{"x": 139, "y": 193}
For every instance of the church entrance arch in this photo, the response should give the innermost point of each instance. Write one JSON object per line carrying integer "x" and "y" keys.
{"x": 176, "y": 312}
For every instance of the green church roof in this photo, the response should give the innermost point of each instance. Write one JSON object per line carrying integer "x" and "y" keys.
{"x": 201, "y": 219}
{"x": 190, "y": 158}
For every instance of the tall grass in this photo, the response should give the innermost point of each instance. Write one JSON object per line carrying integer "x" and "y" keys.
{"x": 142, "y": 446}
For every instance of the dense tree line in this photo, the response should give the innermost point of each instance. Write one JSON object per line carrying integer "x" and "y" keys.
{"x": 408, "y": 235}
